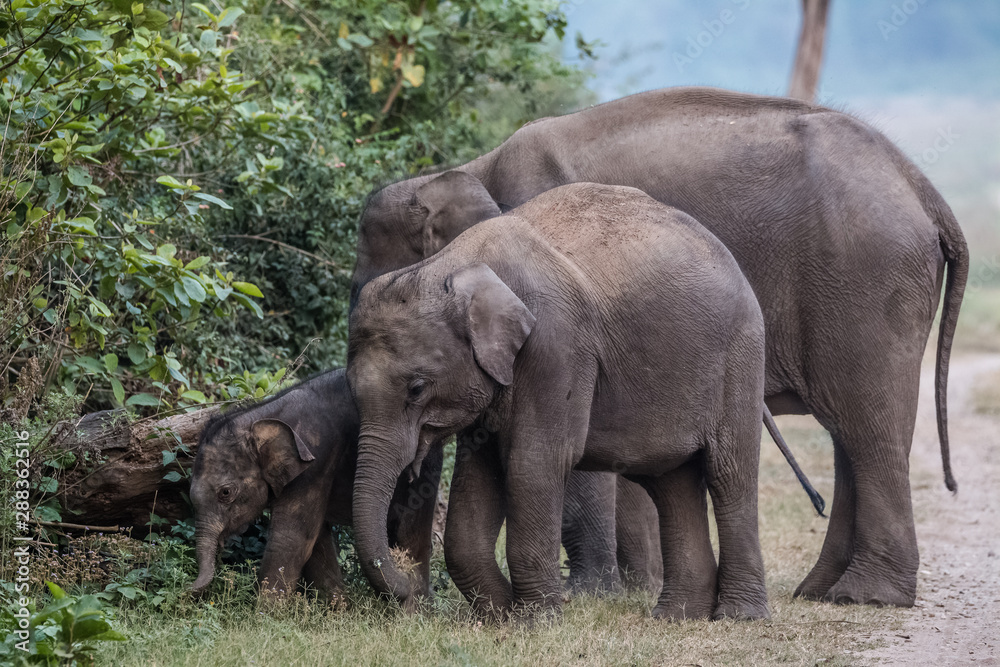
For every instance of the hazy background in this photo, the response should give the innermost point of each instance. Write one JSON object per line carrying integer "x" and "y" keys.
{"x": 921, "y": 71}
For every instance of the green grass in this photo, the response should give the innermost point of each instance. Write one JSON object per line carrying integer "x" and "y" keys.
{"x": 233, "y": 629}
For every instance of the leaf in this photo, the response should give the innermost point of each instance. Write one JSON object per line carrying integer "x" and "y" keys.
{"x": 170, "y": 182}
{"x": 142, "y": 399}
{"x": 197, "y": 262}
{"x": 126, "y": 290}
{"x": 194, "y": 395}
{"x": 204, "y": 10}
{"x": 172, "y": 476}
{"x": 21, "y": 190}
{"x": 47, "y": 485}
{"x": 79, "y": 176}
{"x": 127, "y": 591}
{"x": 229, "y": 16}
{"x": 166, "y": 251}
{"x": 249, "y": 289}
{"x": 414, "y": 74}
{"x": 376, "y": 84}
{"x": 136, "y": 353}
{"x": 249, "y": 303}
{"x": 213, "y": 199}
{"x": 118, "y": 390}
{"x": 57, "y": 593}
{"x": 154, "y": 19}
{"x": 168, "y": 457}
{"x": 208, "y": 40}
{"x": 343, "y": 31}
{"x": 111, "y": 362}
{"x": 194, "y": 289}
{"x": 361, "y": 40}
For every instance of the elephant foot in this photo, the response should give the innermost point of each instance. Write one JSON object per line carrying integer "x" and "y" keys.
{"x": 685, "y": 607}
{"x": 854, "y": 588}
{"x": 742, "y": 611}
{"x": 817, "y": 583}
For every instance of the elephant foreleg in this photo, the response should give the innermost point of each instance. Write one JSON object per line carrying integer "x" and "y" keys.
{"x": 476, "y": 511}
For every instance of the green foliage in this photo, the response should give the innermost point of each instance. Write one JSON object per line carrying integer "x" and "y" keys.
{"x": 392, "y": 87}
{"x": 179, "y": 190}
{"x": 96, "y": 100}
{"x": 64, "y": 632}
{"x": 166, "y": 168}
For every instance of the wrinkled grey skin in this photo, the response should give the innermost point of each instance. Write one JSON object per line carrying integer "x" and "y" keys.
{"x": 296, "y": 453}
{"x": 592, "y": 327}
{"x": 844, "y": 241}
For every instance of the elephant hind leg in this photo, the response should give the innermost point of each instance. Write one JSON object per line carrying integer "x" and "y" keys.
{"x": 869, "y": 406}
{"x": 588, "y": 532}
{"x": 322, "y": 570}
{"x": 637, "y": 530}
{"x": 884, "y": 557}
{"x": 838, "y": 547}
{"x": 689, "y": 571}
{"x": 731, "y": 465}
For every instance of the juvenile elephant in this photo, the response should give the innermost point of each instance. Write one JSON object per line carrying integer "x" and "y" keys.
{"x": 842, "y": 238}
{"x": 591, "y": 327}
{"x": 296, "y": 453}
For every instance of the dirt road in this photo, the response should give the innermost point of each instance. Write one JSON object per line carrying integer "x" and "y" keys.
{"x": 956, "y": 620}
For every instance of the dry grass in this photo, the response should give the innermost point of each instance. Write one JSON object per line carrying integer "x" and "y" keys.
{"x": 612, "y": 631}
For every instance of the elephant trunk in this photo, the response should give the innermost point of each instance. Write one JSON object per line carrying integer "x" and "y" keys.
{"x": 380, "y": 463}
{"x": 206, "y": 547}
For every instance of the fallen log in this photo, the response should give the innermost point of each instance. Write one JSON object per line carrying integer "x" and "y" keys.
{"x": 119, "y": 474}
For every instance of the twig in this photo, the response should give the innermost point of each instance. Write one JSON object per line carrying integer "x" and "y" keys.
{"x": 302, "y": 14}
{"x": 393, "y": 93}
{"x": 255, "y": 237}
{"x": 76, "y": 526}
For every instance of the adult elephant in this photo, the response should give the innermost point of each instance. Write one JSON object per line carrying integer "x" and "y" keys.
{"x": 842, "y": 238}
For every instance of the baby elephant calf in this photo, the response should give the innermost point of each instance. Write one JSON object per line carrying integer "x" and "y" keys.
{"x": 590, "y": 327}
{"x": 296, "y": 453}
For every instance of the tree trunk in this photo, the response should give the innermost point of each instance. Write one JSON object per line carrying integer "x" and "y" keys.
{"x": 809, "y": 58}
{"x": 129, "y": 475}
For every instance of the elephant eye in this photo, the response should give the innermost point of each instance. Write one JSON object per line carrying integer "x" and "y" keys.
{"x": 417, "y": 388}
{"x": 226, "y": 494}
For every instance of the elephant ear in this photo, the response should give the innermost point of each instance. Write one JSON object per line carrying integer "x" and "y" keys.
{"x": 454, "y": 201}
{"x": 498, "y": 320}
{"x": 283, "y": 456}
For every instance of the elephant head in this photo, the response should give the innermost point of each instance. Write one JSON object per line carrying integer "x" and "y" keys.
{"x": 428, "y": 353}
{"x": 408, "y": 221}
{"x": 239, "y": 463}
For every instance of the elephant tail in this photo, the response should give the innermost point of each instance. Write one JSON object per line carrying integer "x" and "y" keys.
{"x": 956, "y": 254}
{"x": 772, "y": 428}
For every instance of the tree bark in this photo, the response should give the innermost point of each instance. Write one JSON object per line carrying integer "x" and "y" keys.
{"x": 809, "y": 57}
{"x": 128, "y": 476}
